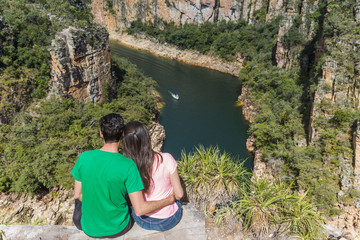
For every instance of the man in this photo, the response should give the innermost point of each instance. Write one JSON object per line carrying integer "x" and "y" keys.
{"x": 103, "y": 177}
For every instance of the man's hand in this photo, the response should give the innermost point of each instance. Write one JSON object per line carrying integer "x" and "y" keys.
{"x": 142, "y": 207}
{"x": 171, "y": 197}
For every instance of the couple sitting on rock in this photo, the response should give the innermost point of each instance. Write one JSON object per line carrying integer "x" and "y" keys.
{"x": 105, "y": 180}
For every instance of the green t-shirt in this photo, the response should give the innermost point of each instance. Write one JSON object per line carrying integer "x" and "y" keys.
{"x": 105, "y": 179}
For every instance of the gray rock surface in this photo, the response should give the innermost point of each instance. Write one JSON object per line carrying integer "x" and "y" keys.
{"x": 191, "y": 226}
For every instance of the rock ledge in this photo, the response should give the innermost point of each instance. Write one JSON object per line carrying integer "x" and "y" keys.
{"x": 191, "y": 226}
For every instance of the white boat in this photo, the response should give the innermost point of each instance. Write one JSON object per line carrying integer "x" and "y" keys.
{"x": 174, "y": 95}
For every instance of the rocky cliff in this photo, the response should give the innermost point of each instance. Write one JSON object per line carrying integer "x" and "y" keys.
{"x": 335, "y": 106}
{"x": 80, "y": 64}
{"x": 116, "y": 14}
{"x": 157, "y": 135}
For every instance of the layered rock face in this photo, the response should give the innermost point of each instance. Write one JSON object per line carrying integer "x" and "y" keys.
{"x": 335, "y": 100}
{"x": 80, "y": 64}
{"x": 123, "y": 12}
{"x": 117, "y": 14}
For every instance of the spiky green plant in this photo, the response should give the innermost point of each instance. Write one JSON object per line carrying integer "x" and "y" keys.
{"x": 211, "y": 177}
{"x": 261, "y": 204}
{"x": 267, "y": 206}
{"x": 300, "y": 217}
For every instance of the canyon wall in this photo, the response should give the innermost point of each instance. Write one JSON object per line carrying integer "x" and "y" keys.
{"x": 300, "y": 44}
{"x": 336, "y": 102}
{"x": 117, "y": 15}
{"x": 80, "y": 69}
{"x": 316, "y": 38}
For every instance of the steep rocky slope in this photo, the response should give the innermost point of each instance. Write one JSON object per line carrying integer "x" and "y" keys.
{"x": 335, "y": 106}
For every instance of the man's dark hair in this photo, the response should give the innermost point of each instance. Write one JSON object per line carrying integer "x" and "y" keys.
{"x": 112, "y": 126}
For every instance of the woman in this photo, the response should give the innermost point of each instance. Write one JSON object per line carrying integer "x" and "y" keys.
{"x": 159, "y": 175}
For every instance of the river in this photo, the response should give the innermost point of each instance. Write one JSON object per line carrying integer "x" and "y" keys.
{"x": 205, "y": 113}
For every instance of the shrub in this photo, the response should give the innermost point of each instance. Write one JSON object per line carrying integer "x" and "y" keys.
{"x": 211, "y": 177}
{"x": 342, "y": 117}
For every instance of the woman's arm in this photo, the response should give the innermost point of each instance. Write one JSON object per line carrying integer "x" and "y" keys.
{"x": 175, "y": 182}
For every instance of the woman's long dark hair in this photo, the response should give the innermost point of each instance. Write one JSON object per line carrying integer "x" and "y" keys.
{"x": 137, "y": 146}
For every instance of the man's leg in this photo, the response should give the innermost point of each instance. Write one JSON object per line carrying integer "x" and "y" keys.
{"x": 77, "y": 214}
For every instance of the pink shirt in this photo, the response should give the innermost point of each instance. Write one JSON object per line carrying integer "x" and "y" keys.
{"x": 160, "y": 187}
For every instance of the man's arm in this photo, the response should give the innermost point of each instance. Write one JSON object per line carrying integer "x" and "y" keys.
{"x": 142, "y": 207}
{"x": 77, "y": 190}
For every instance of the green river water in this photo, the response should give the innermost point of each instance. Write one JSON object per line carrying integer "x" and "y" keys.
{"x": 205, "y": 113}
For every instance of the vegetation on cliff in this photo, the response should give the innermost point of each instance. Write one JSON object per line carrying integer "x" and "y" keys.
{"x": 41, "y": 144}
{"x": 257, "y": 208}
{"x": 223, "y": 39}
{"x": 284, "y": 97}
{"x": 42, "y": 137}
{"x": 26, "y": 30}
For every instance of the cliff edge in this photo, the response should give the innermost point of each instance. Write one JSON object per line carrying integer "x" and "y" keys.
{"x": 191, "y": 226}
